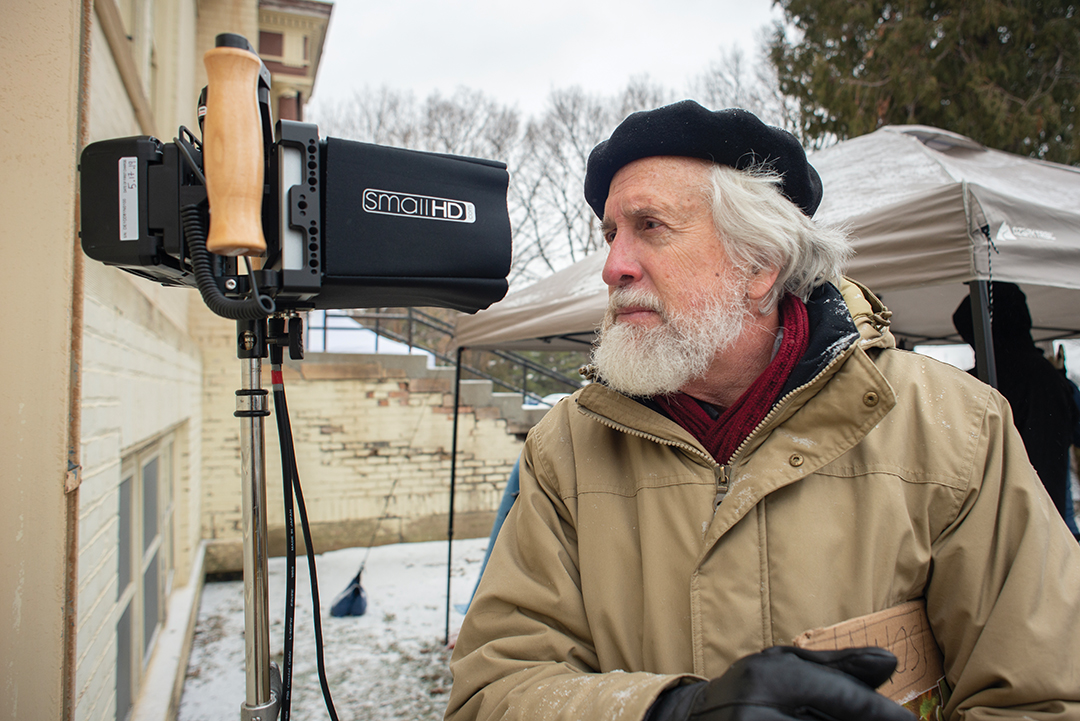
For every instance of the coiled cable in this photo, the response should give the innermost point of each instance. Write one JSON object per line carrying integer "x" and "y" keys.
{"x": 258, "y": 306}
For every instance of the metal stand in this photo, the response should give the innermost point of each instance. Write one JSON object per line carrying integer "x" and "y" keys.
{"x": 984, "y": 338}
{"x": 453, "y": 479}
{"x": 263, "y": 678}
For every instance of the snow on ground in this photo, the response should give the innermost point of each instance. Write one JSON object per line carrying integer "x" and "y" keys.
{"x": 390, "y": 663}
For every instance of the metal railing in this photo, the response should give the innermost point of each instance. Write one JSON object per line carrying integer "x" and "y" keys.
{"x": 377, "y": 320}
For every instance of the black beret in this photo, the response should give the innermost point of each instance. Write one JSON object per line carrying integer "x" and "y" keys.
{"x": 732, "y": 137}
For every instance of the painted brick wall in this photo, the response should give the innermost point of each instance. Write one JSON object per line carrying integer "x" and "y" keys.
{"x": 141, "y": 378}
{"x": 366, "y": 428}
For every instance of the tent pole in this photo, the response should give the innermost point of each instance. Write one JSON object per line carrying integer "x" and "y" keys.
{"x": 453, "y": 479}
{"x": 984, "y": 337}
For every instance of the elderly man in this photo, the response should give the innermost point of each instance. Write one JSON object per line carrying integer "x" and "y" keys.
{"x": 756, "y": 459}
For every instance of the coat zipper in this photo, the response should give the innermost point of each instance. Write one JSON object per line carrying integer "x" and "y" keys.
{"x": 723, "y": 473}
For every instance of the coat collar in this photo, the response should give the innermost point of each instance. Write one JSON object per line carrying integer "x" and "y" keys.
{"x": 832, "y": 331}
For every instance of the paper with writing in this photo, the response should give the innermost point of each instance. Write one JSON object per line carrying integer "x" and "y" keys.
{"x": 919, "y": 681}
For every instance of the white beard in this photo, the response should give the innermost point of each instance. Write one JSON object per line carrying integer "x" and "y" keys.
{"x": 642, "y": 361}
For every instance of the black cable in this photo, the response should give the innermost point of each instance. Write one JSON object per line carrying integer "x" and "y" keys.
{"x": 288, "y": 463}
{"x": 187, "y": 154}
{"x": 261, "y": 306}
{"x": 286, "y": 441}
{"x": 317, "y": 613}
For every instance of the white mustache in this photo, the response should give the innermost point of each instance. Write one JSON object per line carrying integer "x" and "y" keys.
{"x": 629, "y": 298}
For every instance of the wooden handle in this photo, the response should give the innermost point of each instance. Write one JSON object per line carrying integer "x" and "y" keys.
{"x": 233, "y": 152}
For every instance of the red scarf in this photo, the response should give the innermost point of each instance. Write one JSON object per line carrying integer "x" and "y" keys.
{"x": 723, "y": 435}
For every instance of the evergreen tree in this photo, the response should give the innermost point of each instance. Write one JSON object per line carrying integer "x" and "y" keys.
{"x": 1004, "y": 72}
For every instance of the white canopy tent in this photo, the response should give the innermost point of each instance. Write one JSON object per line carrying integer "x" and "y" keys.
{"x": 928, "y": 210}
{"x": 931, "y": 210}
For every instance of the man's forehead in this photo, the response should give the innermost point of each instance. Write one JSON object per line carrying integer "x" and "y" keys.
{"x": 663, "y": 166}
{"x": 657, "y": 184}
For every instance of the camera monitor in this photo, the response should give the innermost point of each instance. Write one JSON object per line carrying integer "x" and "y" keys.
{"x": 347, "y": 224}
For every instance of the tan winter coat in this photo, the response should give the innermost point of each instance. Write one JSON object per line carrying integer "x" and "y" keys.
{"x": 887, "y": 478}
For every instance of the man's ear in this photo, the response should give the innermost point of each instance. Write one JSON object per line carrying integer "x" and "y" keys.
{"x": 761, "y": 282}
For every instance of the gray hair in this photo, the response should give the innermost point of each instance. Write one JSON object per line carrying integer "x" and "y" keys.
{"x": 760, "y": 228}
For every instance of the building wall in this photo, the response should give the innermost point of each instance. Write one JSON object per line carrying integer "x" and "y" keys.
{"x": 40, "y": 45}
{"x": 141, "y": 375}
{"x": 366, "y": 428}
{"x": 224, "y": 16}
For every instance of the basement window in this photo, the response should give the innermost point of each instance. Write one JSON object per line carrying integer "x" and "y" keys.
{"x": 145, "y": 562}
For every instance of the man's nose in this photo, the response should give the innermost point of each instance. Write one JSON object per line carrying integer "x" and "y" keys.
{"x": 621, "y": 267}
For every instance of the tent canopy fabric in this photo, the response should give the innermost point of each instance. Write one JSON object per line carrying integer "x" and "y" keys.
{"x": 928, "y": 211}
{"x": 560, "y": 312}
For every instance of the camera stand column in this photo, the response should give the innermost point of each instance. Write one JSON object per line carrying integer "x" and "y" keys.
{"x": 263, "y": 681}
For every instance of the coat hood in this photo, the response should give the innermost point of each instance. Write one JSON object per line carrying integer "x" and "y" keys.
{"x": 870, "y": 315}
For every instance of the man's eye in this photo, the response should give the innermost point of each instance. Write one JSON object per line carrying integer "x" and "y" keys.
{"x": 650, "y": 224}
{"x": 609, "y": 237}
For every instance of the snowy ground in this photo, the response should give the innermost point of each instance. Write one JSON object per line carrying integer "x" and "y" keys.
{"x": 390, "y": 663}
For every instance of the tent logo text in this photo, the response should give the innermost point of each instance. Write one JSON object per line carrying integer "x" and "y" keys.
{"x": 1016, "y": 232}
{"x": 410, "y": 205}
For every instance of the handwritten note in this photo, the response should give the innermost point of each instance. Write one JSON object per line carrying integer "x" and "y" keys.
{"x": 919, "y": 681}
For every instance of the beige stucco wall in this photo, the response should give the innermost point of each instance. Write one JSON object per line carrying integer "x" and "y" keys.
{"x": 39, "y": 44}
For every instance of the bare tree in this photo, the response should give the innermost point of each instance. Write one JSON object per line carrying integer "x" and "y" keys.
{"x": 641, "y": 94}
{"x": 732, "y": 81}
{"x": 384, "y": 116}
{"x": 465, "y": 123}
{"x": 468, "y": 123}
{"x": 554, "y": 225}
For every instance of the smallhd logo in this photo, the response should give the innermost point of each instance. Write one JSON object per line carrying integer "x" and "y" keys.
{"x": 408, "y": 205}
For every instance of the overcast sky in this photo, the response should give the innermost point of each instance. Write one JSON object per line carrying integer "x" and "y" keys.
{"x": 517, "y": 52}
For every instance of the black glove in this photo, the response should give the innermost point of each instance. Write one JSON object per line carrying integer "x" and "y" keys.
{"x": 783, "y": 683}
